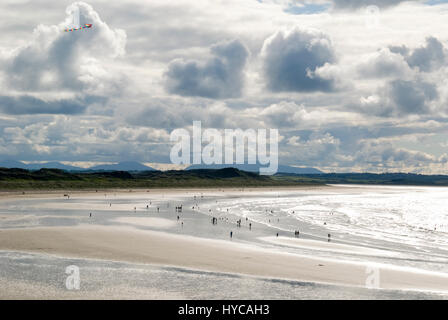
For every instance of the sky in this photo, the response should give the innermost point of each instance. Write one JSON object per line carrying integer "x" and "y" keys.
{"x": 350, "y": 85}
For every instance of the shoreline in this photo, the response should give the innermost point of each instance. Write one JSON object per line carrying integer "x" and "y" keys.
{"x": 33, "y": 193}
{"x": 44, "y": 193}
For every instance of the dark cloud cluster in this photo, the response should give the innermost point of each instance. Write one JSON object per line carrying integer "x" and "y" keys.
{"x": 291, "y": 59}
{"x": 32, "y": 105}
{"x": 412, "y": 97}
{"x": 402, "y": 97}
{"x": 397, "y": 61}
{"x": 412, "y": 88}
{"x": 221, "y": 76}
{"x": 428, "y": 57}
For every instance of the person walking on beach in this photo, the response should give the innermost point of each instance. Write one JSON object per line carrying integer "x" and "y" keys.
{"x": 250, "y": 226}
{"x": 231, "y": 234}
{"x": 90, "y": 215}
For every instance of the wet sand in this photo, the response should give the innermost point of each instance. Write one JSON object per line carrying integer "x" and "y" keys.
{"x": 152, "y": 247}
{"x": 326, "y": 246}
{"x": 123, "y": 234}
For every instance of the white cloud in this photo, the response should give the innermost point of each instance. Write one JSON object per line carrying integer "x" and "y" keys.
{"x": 385, "y": 63}
{"x": 54, "y": 60}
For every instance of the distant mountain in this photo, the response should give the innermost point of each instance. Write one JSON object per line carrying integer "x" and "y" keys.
{"x": 37, "y": 166}
{"x": 53, "y": 165}
{"x": 137, "y": 166}
{"x": 298, "y": 170}
{"x": 13, "y": 164}
{"x": 256, "y": 168}
{"x": 122, "y": 166}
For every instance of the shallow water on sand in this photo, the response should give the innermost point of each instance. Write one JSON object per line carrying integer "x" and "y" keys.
{"x": 399, "y": 221}
{"x": 410, "y": 223}
{"x": 31, "y": 276}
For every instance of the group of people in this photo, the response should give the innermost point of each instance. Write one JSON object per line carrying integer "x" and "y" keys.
{"x": 178, "y": 209}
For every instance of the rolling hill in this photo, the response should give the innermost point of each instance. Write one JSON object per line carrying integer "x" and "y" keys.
{"x": 256, "y": 168}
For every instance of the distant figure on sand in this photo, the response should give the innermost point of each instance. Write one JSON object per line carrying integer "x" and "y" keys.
{"x": 250, "y": 226}
{"x": 90, "y": 215}
{"x": 329, "y": 237}
{"x": 296, "y": 233}
{"x": 231, "y": 234}
{"x": 277, "y": 234}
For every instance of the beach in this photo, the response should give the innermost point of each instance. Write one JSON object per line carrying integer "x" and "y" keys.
{"x": 142, "y": 228}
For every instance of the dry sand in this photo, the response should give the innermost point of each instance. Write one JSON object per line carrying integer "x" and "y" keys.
{"x": 143, "y": 246}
